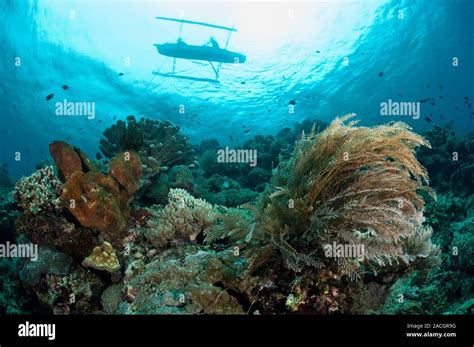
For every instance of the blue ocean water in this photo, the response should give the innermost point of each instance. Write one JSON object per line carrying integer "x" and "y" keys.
{"x": 326, "y": 59}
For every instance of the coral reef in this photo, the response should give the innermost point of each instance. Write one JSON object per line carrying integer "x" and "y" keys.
{"x": 235, "y": 239}
{"x": 158, "y": 144}
{"x": 5, "y": 181}
{"x": 451, "y": 161}
{"x": 362, "y": 191}
{"x": 12, "y": 301}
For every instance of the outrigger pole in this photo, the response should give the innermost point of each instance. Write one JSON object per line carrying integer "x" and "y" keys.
{"x": 197, "y": 23}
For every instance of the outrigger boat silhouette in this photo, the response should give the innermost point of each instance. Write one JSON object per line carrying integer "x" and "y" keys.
{"x": 209, "y": 53}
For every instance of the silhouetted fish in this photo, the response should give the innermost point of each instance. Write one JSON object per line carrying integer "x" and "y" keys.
{"x": 440, "y": 86}
{"x": 292, "y": 102}
{"x": 49, "y": 97}
{"x": 427, "y": 86}
{"x": 428, "y": 119}
{"x": 65, "y": 87}
{"x": 120, "y": 74}
{"x": 246, "y": 131}
{"x": 380, "y": 74}
{"x": 400, "y": 95}
{"x": 318, "y": 51}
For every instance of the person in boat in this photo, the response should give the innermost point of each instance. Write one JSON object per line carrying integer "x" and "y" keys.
{"x": 181, "y": 42}
{"x": 213, "y": 43}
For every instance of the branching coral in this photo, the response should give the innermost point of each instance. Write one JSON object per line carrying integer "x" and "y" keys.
{"x": 158, "y": 144}
{"x": 183, "y": 218}
{"x": 38, "y": 192}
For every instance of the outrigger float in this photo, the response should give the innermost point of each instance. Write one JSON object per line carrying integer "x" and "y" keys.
{"x": 210, "y": 53}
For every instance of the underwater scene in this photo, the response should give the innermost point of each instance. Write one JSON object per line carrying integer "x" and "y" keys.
{"x": 236, "y": 157}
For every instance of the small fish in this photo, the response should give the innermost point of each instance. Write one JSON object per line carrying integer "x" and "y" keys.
{"x": 400, "y": 95}
{"x": 441, "y": 116}
{"x": 65, "y": 87}
{"x": 100, "y": 121}
{"x": 440, "y": 96}
{"x": 428, "y": 119}
{"x": 466, "y": 98}
{"x": 433, "y": 103}
{"x": 80, "y": 129}
{"x": 68, "y": 138}
{"x": 427, "y": 86}
{"x": 320, "y": 52}
{"x": 380, "y": 74}
{"x": 243, "y": 82}
{"x": 115, "y": 117}
{"x": 440, "y": 86}
{"x": 120, "y": 74}
{"x": 292, "y": 102}
{"x": 246, "y": 131}
{"x": 49, "y": 97}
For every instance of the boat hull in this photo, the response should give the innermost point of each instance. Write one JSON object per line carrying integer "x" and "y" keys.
{"x": 204, "y": 53}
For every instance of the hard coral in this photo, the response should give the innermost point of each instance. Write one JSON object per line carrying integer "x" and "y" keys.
{"x": 187, "y": 280}
{"x": 182, "y": 219}
{"x": 158, "y": 144}
{"x": 38, "y": 192}
{"x": 103, "y": 258}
